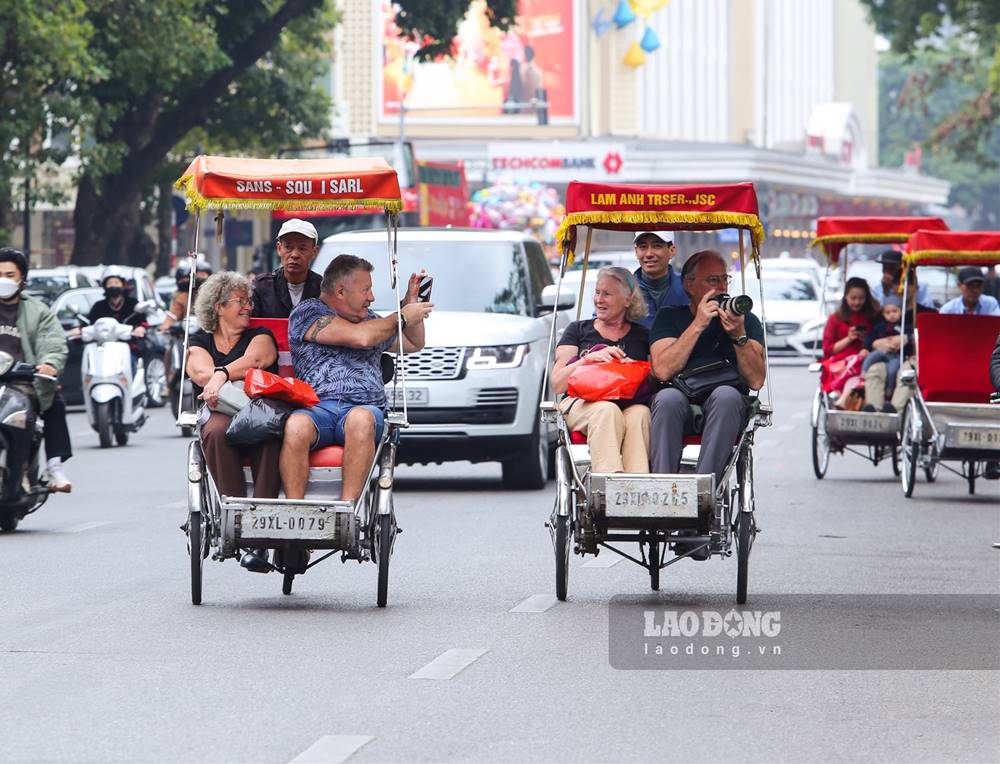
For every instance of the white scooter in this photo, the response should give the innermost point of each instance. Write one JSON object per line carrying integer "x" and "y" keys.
{"x": 115, "y": 399}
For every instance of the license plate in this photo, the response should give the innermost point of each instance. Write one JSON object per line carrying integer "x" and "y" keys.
{"x": 974, "y": 437}
{"x": 308, "y": 523}
{"x": 415, "y": 396}
{"x": 643, "y": 497}
{"x": 856, "y": 423}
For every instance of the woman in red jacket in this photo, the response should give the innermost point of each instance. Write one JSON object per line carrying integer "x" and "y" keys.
{"x": 845, "y": 330}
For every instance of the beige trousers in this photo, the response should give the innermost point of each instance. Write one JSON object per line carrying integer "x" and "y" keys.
{"x": 875, "y": 379}
{"x": 618, "y": 438}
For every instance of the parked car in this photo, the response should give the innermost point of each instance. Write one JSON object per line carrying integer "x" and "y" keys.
{"x": 83, "y": 300}
{"x": 598, "y": 260}
{"x": 791, "y": 299}
{"x": 473, "y": 391}
{"x": 48, "y": 283}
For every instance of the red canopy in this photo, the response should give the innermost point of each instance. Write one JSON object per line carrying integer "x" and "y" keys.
{"x": 834, "y": 233}
{"x": 629, "y": 207}
{"x": 232, "y": 183}
{"x": 953, "y": 248}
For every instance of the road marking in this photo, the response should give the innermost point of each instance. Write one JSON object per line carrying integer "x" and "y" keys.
{"x": 174, "y": 505}
{"x": 332, "y": 749}
{"x": 784, "y": 428}
{"x": 536, "y": 603}
{"x": 800, "y": 415}
{"x": 448, "y": 664}
{"x": 82, "y": 433}
{"x": 609, "y": 560}
{"x": 86, "y": 526}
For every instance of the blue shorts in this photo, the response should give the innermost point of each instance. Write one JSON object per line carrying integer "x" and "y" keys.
{"x": 329, "y": 418}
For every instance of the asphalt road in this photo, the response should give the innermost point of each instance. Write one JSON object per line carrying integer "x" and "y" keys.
{"x": 103, "y": 658}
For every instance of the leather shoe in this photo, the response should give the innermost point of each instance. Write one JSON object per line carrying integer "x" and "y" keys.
{"x": 256, "y": 561}
{"x": 992, "y": 471}
{"x": 683, "y": 547}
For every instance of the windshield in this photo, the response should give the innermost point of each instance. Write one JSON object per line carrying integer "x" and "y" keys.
{"x": 779, "y": 288}
{"x": 47, "y": 287}
{"x": 475, "y": 276}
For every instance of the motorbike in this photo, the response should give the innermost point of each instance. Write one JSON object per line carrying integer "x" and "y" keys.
{"x": 23, "y": 489}
{"x": 115, "y": 398}
{"x": 157, "y": 387}
{"x": 175, "y": 356}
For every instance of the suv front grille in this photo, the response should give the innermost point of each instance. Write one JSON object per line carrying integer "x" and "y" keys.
{"x": 494, "y": 405}
{"x": 435, "y": 363}
{"x": 780, "y": 329}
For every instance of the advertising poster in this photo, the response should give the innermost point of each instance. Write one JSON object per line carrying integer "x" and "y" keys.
{"x": 491, "y": 74}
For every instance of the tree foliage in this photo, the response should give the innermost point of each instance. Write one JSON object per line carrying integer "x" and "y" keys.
{"x": 906, "y": 122}
{"x": 433, "y": 23}
{"x": 971, "y": 27}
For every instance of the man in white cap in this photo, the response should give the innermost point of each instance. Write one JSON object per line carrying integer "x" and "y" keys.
{"x": 276, "y": 293}
{"x": 661, "y": 285}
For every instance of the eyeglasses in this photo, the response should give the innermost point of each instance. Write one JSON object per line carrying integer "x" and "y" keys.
{"x": 718, "y": 281}
{"x": 243, "y": 302}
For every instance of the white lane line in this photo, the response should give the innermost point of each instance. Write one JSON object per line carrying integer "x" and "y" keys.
{"x": 86, "y": 526}
{"x": 448, "y": 664}
{"x": 609, "y": 560}
{"x": 800, "y": 415}
{"x": 332, "y": 749}
{"x": 174, "y": 505}
{"x": 784, "y": 428}
{"x": 536, "y": 603}
{"x": 82, "y": 433}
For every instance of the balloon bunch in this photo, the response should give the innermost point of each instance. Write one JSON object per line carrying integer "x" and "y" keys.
{"x": 532, "y": 208}
{"x": 625, "y": 13}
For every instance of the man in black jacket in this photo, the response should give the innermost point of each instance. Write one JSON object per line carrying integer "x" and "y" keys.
{"x": 276, "y": 293}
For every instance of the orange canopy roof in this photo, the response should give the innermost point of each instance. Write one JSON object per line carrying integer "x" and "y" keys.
{"x": 212, "y": 182}
{"x": 953, "y": 248}
{"x": 836, "y": 232}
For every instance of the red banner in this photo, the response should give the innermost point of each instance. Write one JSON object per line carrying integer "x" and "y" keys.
{"x": 953, "y": 248}
{"x": 834, "y": 233}
{"x": 227, "y": 182}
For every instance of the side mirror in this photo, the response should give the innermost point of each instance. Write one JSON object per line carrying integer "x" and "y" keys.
{"x": 561, "y": 300}
{"x": 815, "y": 367}
{"x": 73, "y": 309}
{"x": 908, "y": 377}
{"x": 146, "y": 306}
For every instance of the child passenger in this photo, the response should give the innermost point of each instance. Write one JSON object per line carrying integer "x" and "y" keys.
{"x": 889, "y": 326}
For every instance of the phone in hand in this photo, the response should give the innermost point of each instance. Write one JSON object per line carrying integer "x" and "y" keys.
{"x": 424, "y": 290}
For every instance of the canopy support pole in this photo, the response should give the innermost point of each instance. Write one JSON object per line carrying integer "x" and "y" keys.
{"x": 552, "y": 327}
{"x": 391, "y": 226}
{"x": 583, "y": 277}
{"x": 193, "y": 258}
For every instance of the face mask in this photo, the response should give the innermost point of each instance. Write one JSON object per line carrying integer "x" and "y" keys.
{"x": 113, "y": 293}
{"x": 183, "y": 285}
{"x": 199, "y": 282}
{"x": 9, "y": 288}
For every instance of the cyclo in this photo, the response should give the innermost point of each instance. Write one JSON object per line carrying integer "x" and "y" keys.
{"x": 835, "y": 430}
{"x": 226, "y": 526}
{"x": 586, "y": 515}
{"x": 949, "y": 417}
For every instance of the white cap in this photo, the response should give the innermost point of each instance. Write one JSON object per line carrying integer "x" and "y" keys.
{"x": 296, "y": 225}
{"x": 657, "y": 234}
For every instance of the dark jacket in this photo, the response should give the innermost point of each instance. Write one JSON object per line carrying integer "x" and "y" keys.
{"x": 270, "y": 294}
{"x": 125, "y": 314}
{"x": 881, "y": 330}
{"x": 995, "y": 366}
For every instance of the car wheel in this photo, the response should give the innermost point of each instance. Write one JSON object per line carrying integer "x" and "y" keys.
{"x": 529, "y": 470}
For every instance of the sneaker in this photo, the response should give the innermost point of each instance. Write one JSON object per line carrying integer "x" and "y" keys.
{"x": 992, "y": 471}
{"x": 58, "y": 481}
{"x": 683, "y": 547}
{"x": 869, "y": 407}
{"x": 888, "y": 408}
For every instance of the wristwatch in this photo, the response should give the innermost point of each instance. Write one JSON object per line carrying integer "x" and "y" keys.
{"x": 224, "y": 370}
{"x": 402, "y": 320}
{"x": 741, "y": 340}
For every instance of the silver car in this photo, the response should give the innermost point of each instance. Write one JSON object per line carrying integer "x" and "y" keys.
{"x": 473, "y": 391}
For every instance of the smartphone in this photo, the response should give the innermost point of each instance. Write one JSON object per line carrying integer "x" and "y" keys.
{"x": 424, "y": 290}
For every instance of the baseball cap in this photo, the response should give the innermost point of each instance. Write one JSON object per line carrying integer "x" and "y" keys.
{"x": 890, "y": 257}
{"x": 296, "y": 225}
{"x": 657, "y": 234}
{"x": 970, "y": 273}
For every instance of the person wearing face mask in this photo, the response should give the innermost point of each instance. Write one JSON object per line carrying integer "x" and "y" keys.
{"x": 120, "y": 305}
{"x": 179, "y": 303}
{"x": 276, "y": 294}
{"x": 30, "y": 332}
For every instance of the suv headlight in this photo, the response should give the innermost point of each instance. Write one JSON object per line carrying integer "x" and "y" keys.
{"x": 496, "y": 357}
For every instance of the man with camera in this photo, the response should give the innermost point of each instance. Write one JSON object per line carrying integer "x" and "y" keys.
{"x": 711, "y": 354}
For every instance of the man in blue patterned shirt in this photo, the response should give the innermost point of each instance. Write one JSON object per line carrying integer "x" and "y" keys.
{"x": 337, "y": 342}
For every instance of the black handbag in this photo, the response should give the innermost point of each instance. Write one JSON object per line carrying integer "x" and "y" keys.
{"x": 698, "y": 383}
{"x": 262, "y": 419}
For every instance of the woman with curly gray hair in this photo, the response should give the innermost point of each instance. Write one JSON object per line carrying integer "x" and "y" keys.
{"x": 224, "y": 349}
{"x": 617, "y": 431}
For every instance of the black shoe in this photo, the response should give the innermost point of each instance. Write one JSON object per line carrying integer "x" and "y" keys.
{"x": 256, "y": 561}
{"x": 683, "y": 547}
{"x": 870, "y": 407}
{"x": 888, "y": 408}
{"x": 992, "y": 471}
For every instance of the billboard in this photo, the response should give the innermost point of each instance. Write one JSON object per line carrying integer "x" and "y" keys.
{"x": 489, "y": 72}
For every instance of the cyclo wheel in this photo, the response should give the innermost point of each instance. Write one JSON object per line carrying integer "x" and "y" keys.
{"x": 971, "y": 476}
{"x": 931, "y": 472}
{"x": 746, "y": 527}
{"x": 654, "y": 562}
{"x": 196, "y": 542}
{"x": 820, "y": 441}
{"x": 895, "y": 461}
{"x": 910, "y": 453}
{"x": 286, "y": 582}
{"x": 561, "y": 544}
{"x": 383, "y": 542}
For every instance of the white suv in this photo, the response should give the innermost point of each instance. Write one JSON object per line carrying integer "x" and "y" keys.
{"x": 473, "y": 391}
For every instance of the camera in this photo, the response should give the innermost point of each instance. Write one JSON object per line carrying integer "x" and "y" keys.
{"x": 741, "y": 303}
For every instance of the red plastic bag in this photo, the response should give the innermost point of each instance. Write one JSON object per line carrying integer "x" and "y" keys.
{"x": 608, "y": 381}
{"x": 263, "y": 384}
{"x": 837, "y": 371}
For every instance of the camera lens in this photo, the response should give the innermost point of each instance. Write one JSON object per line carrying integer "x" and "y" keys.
{"x": 741, "y": 303}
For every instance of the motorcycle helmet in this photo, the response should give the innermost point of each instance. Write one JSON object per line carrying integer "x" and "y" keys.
{"x": 113, "y": 272}
{"x": 182, "y": 275}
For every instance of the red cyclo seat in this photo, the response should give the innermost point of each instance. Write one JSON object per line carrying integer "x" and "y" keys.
{"x": 330, "y": 456}
{"x": 948, "y": 376}
{"x": 279, "y": 328}
{"x": 577, "y": 438}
